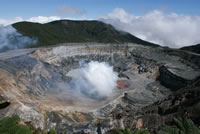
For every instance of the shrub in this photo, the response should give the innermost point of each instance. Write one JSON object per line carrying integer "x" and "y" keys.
{"x": 8, "y": 125}
{"x": 128, "y": 131}
{"x": 141, "y": 131}
{"x": 51, "y": 131}
{"x": 181, "y": 126}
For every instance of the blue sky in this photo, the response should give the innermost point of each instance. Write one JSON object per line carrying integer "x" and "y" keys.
{"x": 95, "y": 8}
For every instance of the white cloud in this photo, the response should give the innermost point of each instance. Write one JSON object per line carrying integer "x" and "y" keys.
{"x": 39, "y": 19}
{"x": 44, "y": 19}
{"x": 5, "y": 22}
{"x": 70, "y": 10}
{"x": 171, "y": 30}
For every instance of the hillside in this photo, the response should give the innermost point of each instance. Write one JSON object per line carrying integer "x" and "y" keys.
{"x": 75, "y": 31}
{"x": 194, "y": 48}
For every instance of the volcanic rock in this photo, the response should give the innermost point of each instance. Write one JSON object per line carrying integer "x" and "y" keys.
{"x": 155, "y": 85}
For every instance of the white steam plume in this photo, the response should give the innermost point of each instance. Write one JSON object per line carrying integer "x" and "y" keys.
{"x": 96, "y": 79}
{"x": 11, "y": 39}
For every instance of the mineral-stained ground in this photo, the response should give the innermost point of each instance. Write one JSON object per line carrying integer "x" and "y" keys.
{"x": 155, "y": 84}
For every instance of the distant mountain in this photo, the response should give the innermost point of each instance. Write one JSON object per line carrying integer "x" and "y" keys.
{"x": 194, "y": 48}
{"x": 63, "y": 31}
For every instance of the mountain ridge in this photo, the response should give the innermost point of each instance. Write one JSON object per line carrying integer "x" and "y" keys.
{"x": 193, "y": 48}
{"x": 65, "y": 31}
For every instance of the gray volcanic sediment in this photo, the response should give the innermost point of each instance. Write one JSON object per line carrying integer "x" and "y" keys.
{"x": 36, "y": 84}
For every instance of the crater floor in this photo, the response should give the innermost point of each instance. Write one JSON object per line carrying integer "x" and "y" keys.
{"x": 36, "y": 82}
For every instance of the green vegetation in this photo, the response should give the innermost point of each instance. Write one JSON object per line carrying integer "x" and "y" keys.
{"x": 51, "y": 131}
{"x": 181, "y": 126}
{"x": 141, "y": 131}
{"x": 194, "y": 48}
{"x": 8, "y": 125}
{"x": 128, "y": 131}
{"x": 64, "y": 31}
{"x": 11, "y": 125}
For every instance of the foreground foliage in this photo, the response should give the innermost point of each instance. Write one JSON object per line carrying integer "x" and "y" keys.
{"x": 11, "y": 125}
{"x": 181, "y": 126}
{"x": 128, "y": 131}
{"x": 51, "y": 131}
{"x": 8, "y": 125}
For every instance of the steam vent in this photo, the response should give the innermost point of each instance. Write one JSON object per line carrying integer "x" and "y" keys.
{"x": 74, "y": 87}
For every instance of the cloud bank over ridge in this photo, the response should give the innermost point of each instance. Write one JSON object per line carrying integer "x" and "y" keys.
{"x": 171, "y": 30}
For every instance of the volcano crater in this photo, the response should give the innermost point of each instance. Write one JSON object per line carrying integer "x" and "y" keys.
{"x": 39, "y": 83}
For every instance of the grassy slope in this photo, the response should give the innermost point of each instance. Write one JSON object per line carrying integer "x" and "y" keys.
{"x": 194, "y": 48}
{"x": 75, "y": 31}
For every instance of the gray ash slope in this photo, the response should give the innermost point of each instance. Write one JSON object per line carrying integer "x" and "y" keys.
{"x": 34, "y": 85}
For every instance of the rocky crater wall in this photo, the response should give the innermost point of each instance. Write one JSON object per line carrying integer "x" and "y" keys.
{"x": 35, "y": 84}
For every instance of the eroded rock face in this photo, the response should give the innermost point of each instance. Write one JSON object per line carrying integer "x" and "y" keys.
{"x": 184, "y": 102}
{"x": 172, "y": 81}
{"x": 38, "y": 89}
